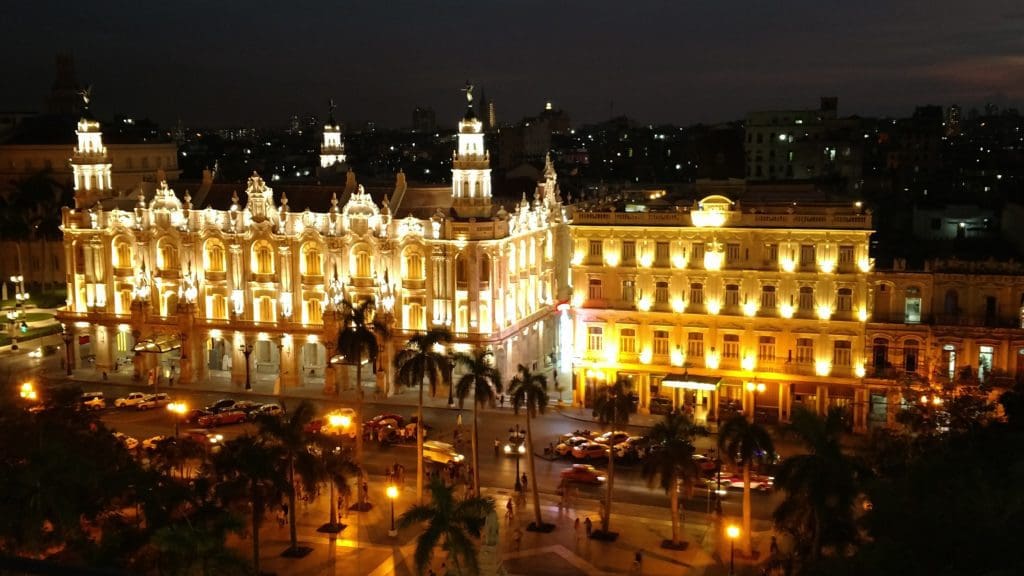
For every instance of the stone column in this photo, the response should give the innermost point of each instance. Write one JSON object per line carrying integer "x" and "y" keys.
{"x": 288, "y": 369}
{"x": 821, "y": 403}
{"x": 238, "y": 359}
{"x": 860, "y": 410}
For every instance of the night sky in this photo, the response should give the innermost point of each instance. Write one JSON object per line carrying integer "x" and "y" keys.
{"x": 256, "y": 63}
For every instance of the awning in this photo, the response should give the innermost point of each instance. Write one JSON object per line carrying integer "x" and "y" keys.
{"x": 691, "y": 381}
{"x": 158, "y": 343}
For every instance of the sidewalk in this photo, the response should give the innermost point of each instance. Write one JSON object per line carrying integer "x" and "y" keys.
{"x": 364, "y": 548}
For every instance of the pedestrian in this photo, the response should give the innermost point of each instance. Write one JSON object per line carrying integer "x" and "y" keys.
{"x": 497, "y": 447}
{"x": 525, "y": 483}
{"x": 638, "y": 559}
{"x": 576, "y": 528}
{"x": 774, "y": 548}
{"x": 502, "y": 401}
{"x": 509, "y": 511}
{"x": 589, "y": 526}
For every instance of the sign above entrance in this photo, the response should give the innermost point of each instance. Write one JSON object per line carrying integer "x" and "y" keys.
{"x": 691, "y": 382}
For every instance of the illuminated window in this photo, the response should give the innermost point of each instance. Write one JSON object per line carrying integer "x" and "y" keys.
{"x": 595, "y": 339}
{"x": 168, "y": 256}
{"x": 732, "y": 295}
{"x": 661, "y": 293}
{"x": 841, "y": 353}
{"x": 596, "y": 249}
{"x": 732, "y": 253}
{"x": 695, "y": 345}
{"x": 312, "y": 259}
{"x": 661, "y": 254}
{"x": 485, "y": 270}
{"x": 807, "y": 255}
{"x": 844, "y": 300}
{"x": 263, "y": 258}
{"x": 698, "y": 252}
{"x": 805, "y": 300}
{"x": 214, "y": 256}
{"x": 122, "y": 254}
{"x": 595, "y": 292}
{"x": 661, "y": 342}
{"x": 731, "y": 346}
{"x": 696, "y": 294}
{"x": 364, "y": 268}
{"x": 771, "y": 253}
{"x": 912, "y": 306}
{"x": 768, "y": 299}
{"x": 124, "y": 302}
{"x": 628, "y": 252}
{"x": 766, "y": 349}
{"x": 628, "y": 290}
{"x": 804, "y": 351}
{"x": 627, "y": 340}
{"x": 416, "y": 317}
{"x": 219, "y": 307}
{"x": 846, "y": 255}
{"x": 413, "y": 266}
{"x": 314, "y": 311}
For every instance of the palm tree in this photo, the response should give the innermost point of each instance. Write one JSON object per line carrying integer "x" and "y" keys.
{"x": 744, "y": 443}
{"x": 357, "y": 341}
{"x": 529, "y": 390}
{"x": 451, "y": 523}
{"x": 484, "y": 380}
{"x": 418, "y": 361}
{"x": 670, "y": 462}
{"x": 249, "y": 476}
{"x": 289, "y": 434}
{"x": 821, "y": 486}
{"x": 333, "y": 465}
{"x": 612, "y": 405}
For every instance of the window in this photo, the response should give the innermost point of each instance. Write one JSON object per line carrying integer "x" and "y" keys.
{"x": 219, "y": 307}
{"x": 951, "y": 305}
{"x": 912, "y": 306}
{"x": 364, "y": 268}
{"x": 661, "y": 292}
{"x": 697, "y": 294}
{"x": 123, "y": 254}
{"x": 846, "y": 255}
{"x": 628, "y": 251}
{"x": 731, "y": 346}
{"x": 805, "y": 300}
{"x": 596, "y": 249}
{"x": 732, "y": 295}
{"x": 266, "y": 309}
{"x": 661, "y": 342}
{"x": 766, "y": 349}
{"x": 595, "y": 292}
{"x": 214, "y": 256}
{"x": 732, "y": 252}
{"x": 698, "y": 253}
{"x": 661, "y": 251}
{"x": 844, "y": 300}
{"x": 414, "y": 266}
{"x": 416, "y": 317}
{"x": 768, "y": 300}
{"x": 910, "y": 348}
{"x": 841, "y": 353}
{"x": 311, "y": 259}
{"x": 629, "y": 290}
{"x": 168, "y": 254}
{"x": 263, "y": 259}
{"x": 804, "y": 351}
{"x": 695, "y": 345}
{"x": 807, "y": 255}
{"x": 627, "y": 341}
{"x": 314, "y": 311}
{"x": 771, "y": 253}
{"x": 595, "y": 338}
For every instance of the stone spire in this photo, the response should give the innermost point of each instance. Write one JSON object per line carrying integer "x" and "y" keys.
{"x": 90, "y": 163}
{"x": 471, "y": 167}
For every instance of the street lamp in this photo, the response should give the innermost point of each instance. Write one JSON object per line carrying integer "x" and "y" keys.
{"x": 178, "y": 409}
{"x": 733, "y": 532}
{"x": 67, "y": 336}
{"x": 516, "y": 432}
{"x": 246, "y": 351}
{"x": 28, "y": 392}
{"x": 392, "y": 492}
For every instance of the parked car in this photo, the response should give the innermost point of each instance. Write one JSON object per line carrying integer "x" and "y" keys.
{"x": 584, "y": 473}
{"x": 221, "y": 405}
{"x": 246, "y": 406}
{"x": 206, "y": 438}
{"x": 268, "y": 410}
{"x": 441, "y": 453}
{"x": 154, "y": 401}
{"x": 383, "y": 420}
{"x": 661, "y": 405}
{"x": 129, "y": 442}
{"x": 93, "y": 401}
{"x": 632, "y": 447}
{"x": 565, "y": 447}
{"x": 612, "y": 438}
{"x": 706, "y": 464}
{"x": 222, "y": 418}
{"x": 154, "y": 443}
{"x": 132, "y": 399}
{"x": 340, "y": 422}
{"x": 193, "y": 415}
{"x": 590, "y": 450}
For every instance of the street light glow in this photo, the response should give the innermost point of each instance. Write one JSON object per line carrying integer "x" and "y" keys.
{"x": 732, "y": 531}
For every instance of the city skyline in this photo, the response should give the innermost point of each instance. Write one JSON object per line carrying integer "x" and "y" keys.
{"x": 660, "y": 63}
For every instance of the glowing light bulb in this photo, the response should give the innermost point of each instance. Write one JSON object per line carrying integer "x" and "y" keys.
{"x": 822, "y": 367}
{"x": 786, "y": 310}
{"x": 824, "y": 312}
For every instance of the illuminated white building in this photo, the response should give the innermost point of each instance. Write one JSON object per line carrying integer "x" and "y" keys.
{"x": 332, "y": 148}
{"x": 175, "y": 288}
{"x": 694, "y": 305}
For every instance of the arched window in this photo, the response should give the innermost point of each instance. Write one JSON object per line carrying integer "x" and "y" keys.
{"x": 218, "y": 307}
{"x": 167, "y": 256}
{"x": 214, "y": 256}
{"x": 951, "y": 305}
{"x": 314, "y": 311}
{"x": 122, "y": 253}
{"x": 880, "y": 353}
{"x": 265, "y": 309}
{"x": 413, "y": 265}
{"x": 262, "y": 258}
{"x": 485, "y": 269}
{"x": 910, "y": 353}
{"x": 312, "y": 260}
{"x": 364, "y": 266}
{"x": 416, "y": 318}
{"x": 461, "y": 273}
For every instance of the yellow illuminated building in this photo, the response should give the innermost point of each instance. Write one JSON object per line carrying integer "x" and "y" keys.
{"x": 691, "y": 305}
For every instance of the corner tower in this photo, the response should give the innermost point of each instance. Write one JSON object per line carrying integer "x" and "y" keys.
{"x": 90, "y": 163}
{"x": 332, "y": 148}
{"x": 471, "y": 167}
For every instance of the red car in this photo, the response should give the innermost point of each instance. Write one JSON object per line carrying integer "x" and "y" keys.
{"x": 584, "y": 473}
{"x": 223, "y": 419}
{"x": 588, "y": 450}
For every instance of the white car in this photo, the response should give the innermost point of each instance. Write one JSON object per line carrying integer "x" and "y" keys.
{"x": 154, "y": 401}
{"x": 129, "y": 442}
{"x": 132, "y": 399}
{"x": 93, "y": 401}
{"x": 153, "y": 443}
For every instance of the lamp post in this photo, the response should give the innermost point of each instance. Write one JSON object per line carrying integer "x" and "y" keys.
{"x": 392, "y": 492}
{"x": 246, "y": 351}
{"x": 515, "y": 431}
{"x": 178, "y": 409}
{"x": 733, "y": 532}
{"x": 67, "y": 336}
